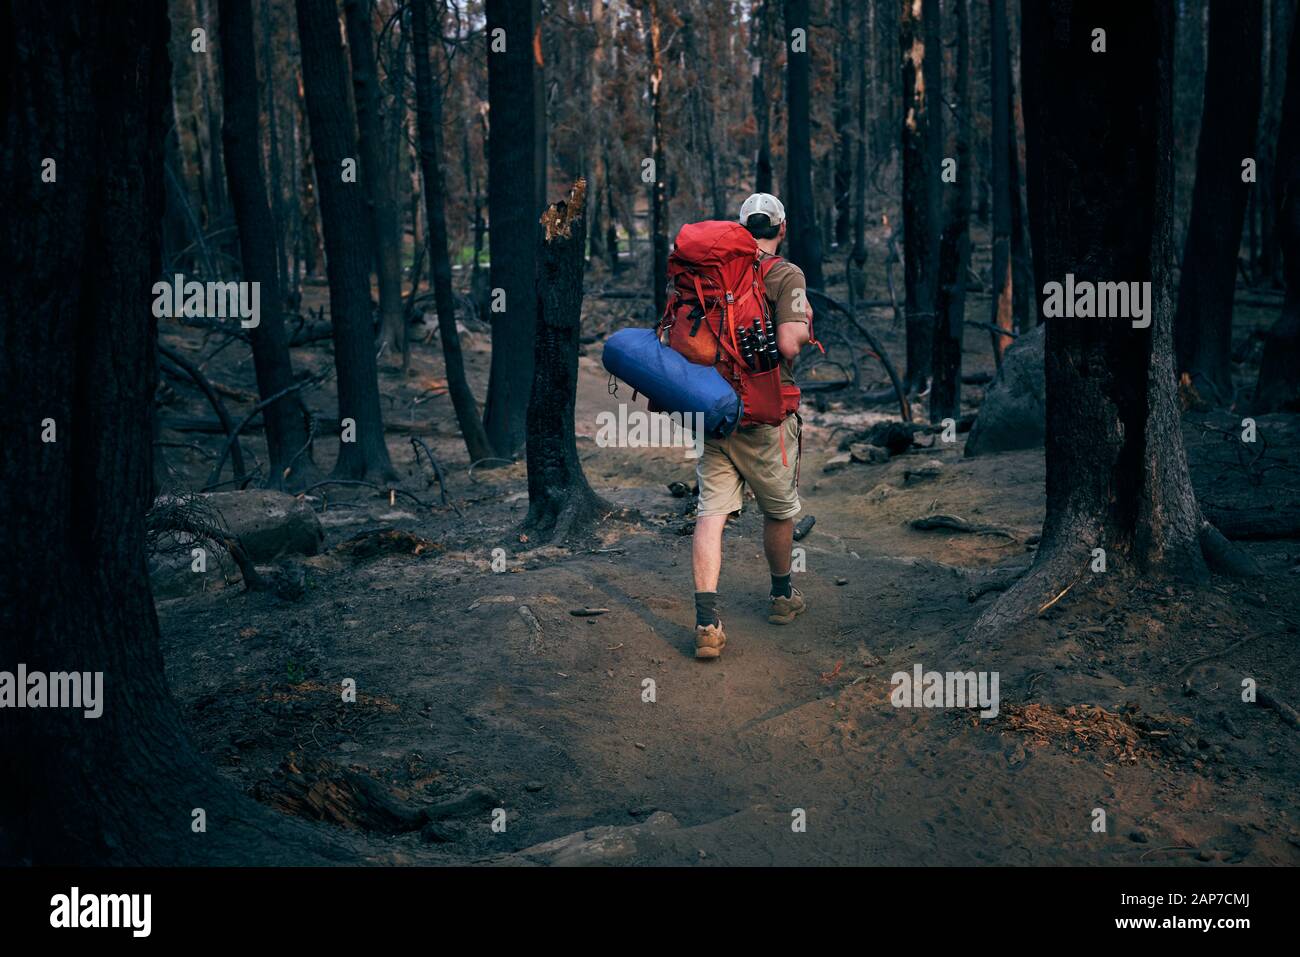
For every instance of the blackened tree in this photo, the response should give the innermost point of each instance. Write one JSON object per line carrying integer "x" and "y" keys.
{"x": 561, "y": 504}
{"x": 954, "y": 245}
{"x": 1203, "y": 321}
{"x": 346, "y": 225}
{"x": 922, "y": 133}
{"x": 516, "y": 197}
{"x": 1278, "y": 387}
{"x": 284, "y": 419}
{"x": 77, "y": 348}
{"x": 802, "y": 234}
{"x": 377, "y": 176}
{"x": 1100, "y": 149}
{"x": 428, "y": 104}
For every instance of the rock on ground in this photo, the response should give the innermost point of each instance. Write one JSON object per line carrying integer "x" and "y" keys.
{"x": 1014, "y": 412}
{"x": 268, "y": 523}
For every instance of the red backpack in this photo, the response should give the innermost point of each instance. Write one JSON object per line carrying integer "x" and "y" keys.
{"x": 717, "y": 287}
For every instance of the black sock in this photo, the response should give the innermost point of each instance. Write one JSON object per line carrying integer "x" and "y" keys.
{"x": 781, "y": 586}
{"x": 706, "y": 608}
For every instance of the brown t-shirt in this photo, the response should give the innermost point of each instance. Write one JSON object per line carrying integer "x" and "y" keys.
{"x": 786, "y": 295}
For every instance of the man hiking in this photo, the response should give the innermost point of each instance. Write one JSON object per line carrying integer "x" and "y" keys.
{"x": 766, "y": 457}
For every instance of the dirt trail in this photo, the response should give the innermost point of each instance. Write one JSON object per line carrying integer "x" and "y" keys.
{"x": 461, "y": 688}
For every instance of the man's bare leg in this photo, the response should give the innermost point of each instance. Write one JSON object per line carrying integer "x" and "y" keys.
{"x": 778, "y": 542}
{"x": 706, "y": 551}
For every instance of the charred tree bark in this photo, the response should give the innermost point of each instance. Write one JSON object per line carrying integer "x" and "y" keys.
{"x": 922, "y": 134}
{"x": 516, "y": 197}
{"x": 1002, "y": 141}
{"x": 286, "y": 429}
{"x": 428, "y": 110}
{"x": 561, "y": 505}
{"x": 377, "y": 177}
{"x": 843, "y": 125}
{"x": 1100, "y": 147}
{"x": 1278, "y": 387}
{"x": 659, "y": 188}
{"x": 759, "y": 27}
{"x": 1203, "y": 322}
{"x": 954, "y": 247}
{"x": 805, "y": 245}
{"x": 858, "y": 256}
{"x": 77, "y": 346}
{"x": 344, "y": 220}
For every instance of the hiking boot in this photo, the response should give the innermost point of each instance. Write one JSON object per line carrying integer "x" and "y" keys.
{"x": 785, "y": 610}
{"x": 710, "y": 640}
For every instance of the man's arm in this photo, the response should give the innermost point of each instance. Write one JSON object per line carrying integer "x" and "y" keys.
{"x": 792, "y": 312}
{"x": 790, "y": 337}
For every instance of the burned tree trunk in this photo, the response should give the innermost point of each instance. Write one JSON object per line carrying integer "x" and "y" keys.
{"x": 428, "y": 109}
{"x": 858, "y": 256}
{"x": 377, "y": 177}
{"x": 516, "y": 196}
{"x": 1278, "y": 387}
{"x": 954, "y": 246}
{"x": 802, "y": 235}
{"x": 286, "y": 430}
{"x": 561, "y": 505}
{"x": 1203, "y": 322}
{"x": 922, "y": 60}
{"x": 1002, "y": 141}
{"x": 77, "y": 347}
{"x": 1100, "y": 147}
{"x": 658, "y": 188}
{"x": 344, "y": 220}
{"x": 759, "y": 95}
{"x": 844, "y": 138}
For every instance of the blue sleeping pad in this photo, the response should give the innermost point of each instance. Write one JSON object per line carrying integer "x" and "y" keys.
{"x": 672, "y": 382}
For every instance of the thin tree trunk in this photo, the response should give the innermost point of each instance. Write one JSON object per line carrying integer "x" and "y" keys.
{"x": 759, "y": 58}
{"x": 516, "y": 196}
{"x": 659, "y": 188}
{"x": 1278, "y": 388}
{"x": 1203, "y": 322}
{"x": 922, "y": 59}
{"x": 802, "y": 232}
{"x": 285, "y": 428}
{"x": 843, "y": 124}
{"x": 1002, "y": 141}
{"x": 273, "y": 134}
{"x": 954, "y": 247}
{"x": 428, "y": 108}
{"x": 858, "y": 256}
{"x": 377, "y": 177}
{"x": 561, "y": 505}
{"x": 343, "y": 217}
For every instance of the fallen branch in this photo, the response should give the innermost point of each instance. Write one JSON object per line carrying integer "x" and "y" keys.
{"x": 905, "y": 409}
{"x": 928, "y": 523}
{"x": 233, "y": 439}
{"x": 391, "y": 490}
{"x": 1216, "y": 654}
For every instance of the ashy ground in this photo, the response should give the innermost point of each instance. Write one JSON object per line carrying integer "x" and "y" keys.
{"x": 562, "y": 689}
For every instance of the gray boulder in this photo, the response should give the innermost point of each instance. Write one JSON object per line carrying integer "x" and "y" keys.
{"x": 1014, "y": 412}
{"x": 269, "y": 524}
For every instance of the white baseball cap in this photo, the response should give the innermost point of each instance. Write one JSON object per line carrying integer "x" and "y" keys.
{"x": 766, "y": 204}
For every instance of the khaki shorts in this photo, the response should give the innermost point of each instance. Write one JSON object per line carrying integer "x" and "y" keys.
{"x": 753, "y": 456}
